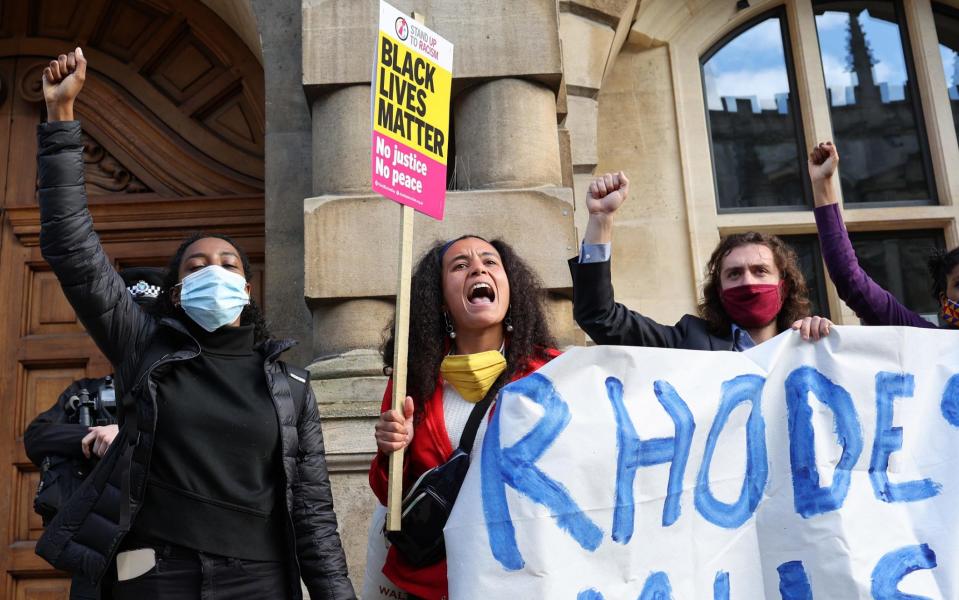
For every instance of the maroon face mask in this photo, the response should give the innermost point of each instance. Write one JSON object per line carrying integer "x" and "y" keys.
{"x": 753, "y": 305}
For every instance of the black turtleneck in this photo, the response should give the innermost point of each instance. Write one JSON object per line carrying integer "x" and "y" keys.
{"x": 215, "y": 479}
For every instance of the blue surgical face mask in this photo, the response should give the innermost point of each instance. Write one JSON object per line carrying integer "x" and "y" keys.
{"x": 213, "y": 296}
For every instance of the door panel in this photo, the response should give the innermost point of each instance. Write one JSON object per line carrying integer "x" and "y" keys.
{"x": 26, "y": 100}
{"x": 42, "y": 589}
{"x": 48, "y": 311}
{"x": 172, "y": 117}
{"x": 7, "y": 68}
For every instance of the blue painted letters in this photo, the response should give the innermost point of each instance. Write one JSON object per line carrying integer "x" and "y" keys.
{"x": 950, "y": 401}
{"x": 721, "y": 586}
{"x": 890, "y": 386}
{"x": 744, "y": 388}
{"x": 893, "y": 568}
{"x": 793, "y": 583}
{"x": 516, "y": 466}
{"x": 633, "y": 453}
{"x": 808, "y": 497}
{"x": 657, "y": 587}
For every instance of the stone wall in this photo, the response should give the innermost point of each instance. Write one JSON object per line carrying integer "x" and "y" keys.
{"x": 654, "y": 271}
{"x": 511, "y": 177}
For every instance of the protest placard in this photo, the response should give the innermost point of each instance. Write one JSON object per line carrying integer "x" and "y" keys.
{"x": 413, "y": 73}
{"x": 412, "y": 77}
{"x": 794, "y": 470}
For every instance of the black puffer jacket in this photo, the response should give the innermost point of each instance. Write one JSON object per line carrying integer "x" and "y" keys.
{"x": 86, "y": 533}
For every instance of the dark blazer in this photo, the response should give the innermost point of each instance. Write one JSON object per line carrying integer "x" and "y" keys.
{"x": 86, "y": 533}
{"x": 608, "y": 322}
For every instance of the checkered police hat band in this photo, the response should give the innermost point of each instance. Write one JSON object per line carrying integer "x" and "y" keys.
{"x": 142, "y": 289}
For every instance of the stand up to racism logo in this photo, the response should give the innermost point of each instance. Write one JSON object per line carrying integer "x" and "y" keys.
{"x": 402, "y": 28}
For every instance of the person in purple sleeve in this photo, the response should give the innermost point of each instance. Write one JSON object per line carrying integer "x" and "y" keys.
{"x": 871, "y": 303}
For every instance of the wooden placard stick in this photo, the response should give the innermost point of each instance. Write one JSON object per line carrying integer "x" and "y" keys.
{"x": 401, "y": 332}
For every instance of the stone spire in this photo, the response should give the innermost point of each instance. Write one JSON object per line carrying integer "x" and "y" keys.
{"x": 861, "y": 61}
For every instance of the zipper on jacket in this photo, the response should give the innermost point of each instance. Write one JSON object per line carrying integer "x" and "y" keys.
{"x": 144, "y": 377}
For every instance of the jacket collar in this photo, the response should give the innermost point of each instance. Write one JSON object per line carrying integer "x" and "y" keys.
{"x": 270, "y": 349}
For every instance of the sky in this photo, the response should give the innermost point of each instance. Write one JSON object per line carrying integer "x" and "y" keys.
{"x": 885, "y": 41}
{"x": 752, "y": 65}
{"x": 948, "y": 27}
{"x": 948, "y": 64}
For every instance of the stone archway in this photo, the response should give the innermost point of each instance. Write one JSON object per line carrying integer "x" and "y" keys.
{"x": 173, "y": 117}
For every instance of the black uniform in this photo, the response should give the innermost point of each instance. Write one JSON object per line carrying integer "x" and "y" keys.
{"x": 52, "y": 442}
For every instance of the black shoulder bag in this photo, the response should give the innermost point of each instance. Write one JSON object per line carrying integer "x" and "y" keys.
{"x": 427, "y": 506}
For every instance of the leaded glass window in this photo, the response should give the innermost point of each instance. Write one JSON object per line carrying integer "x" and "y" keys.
{"x": 753, "y": 115}
{"x": 874, "y": 103}
{"x": 947, "y": 27}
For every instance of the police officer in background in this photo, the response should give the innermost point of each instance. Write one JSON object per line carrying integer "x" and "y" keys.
{"x": 65, "y": 440}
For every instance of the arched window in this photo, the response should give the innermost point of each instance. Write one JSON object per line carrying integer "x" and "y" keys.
{"x": 874, "y": 102}
{"x": 872, "y": 108}
{"x": 947, "y": 27}
{"x": 753, "y": 116}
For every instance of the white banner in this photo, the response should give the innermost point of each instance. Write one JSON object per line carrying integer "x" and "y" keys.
{"x": 795, "y": 470}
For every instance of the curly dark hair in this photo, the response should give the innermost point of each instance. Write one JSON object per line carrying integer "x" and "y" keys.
{"x": 164, "y": 307}
{"x": 428, "y": 341}
{"x": 796, "y": 304}
{"x": 941, "y": 264}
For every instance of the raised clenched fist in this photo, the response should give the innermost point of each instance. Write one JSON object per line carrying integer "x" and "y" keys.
{"x": 62, "y": 81}
{"x": 607, "y": 193}
{"x": 823, "y": 161}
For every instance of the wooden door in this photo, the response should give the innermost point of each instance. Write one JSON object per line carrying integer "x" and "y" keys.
{"x": 172, "y": 114}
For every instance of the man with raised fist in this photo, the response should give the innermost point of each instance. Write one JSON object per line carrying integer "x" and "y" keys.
{"x": 753, "y": 289}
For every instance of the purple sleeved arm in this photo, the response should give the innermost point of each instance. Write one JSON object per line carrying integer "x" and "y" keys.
{"x": 871, "y": 303}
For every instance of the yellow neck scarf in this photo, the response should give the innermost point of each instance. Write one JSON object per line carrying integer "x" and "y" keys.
{"x": 473, "y": 374}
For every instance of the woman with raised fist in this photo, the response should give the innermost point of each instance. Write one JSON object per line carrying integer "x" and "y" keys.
{"x": 218, "y": 476}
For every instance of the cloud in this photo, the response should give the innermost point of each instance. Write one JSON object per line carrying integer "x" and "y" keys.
{"x": 835, "y": 71}
{"x": 839, "y": 78}
{"x": 948, "y": 64}
{"x": 886, "y": 72}
{"x": 764, "y": 36}
{"x": 831, "y": 20}
{"x": 764, "y": 84}
{"x": 763, "y": 43}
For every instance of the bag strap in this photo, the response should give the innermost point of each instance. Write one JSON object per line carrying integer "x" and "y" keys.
{"x": 473, "y": 423}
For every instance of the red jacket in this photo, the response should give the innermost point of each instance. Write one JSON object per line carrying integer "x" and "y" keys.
{"x": 430, "y": 448}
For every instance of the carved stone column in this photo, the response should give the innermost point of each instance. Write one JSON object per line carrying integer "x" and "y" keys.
{"x": 505, "y": 133}
{"x": 341, "y": 141}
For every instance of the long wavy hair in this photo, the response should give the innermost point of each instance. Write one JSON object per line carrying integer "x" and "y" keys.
{"x": 941, "y": 264}
{"x": 796, "y": 303}
{"x": 429, "y": 342}
{"x": 164, "y": 306}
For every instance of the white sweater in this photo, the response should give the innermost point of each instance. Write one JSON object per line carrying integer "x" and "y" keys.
{"x": 456, "y": 411}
